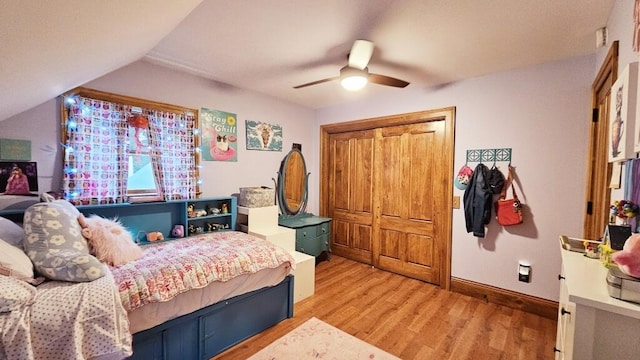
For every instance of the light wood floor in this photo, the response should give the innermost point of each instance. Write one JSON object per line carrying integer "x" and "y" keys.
{"x": 411, "y": 319}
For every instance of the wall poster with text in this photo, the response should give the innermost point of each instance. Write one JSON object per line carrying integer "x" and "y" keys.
{"x": 219, "y": 135}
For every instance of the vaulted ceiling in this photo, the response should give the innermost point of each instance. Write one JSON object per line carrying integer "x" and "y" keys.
{"x": 49, "y": 47}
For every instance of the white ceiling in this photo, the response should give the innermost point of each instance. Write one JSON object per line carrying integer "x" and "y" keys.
{"x": 49, "y": 47}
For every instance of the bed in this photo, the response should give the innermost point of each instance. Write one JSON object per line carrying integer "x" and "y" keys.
{"x": 231, "y": 308}
{"x": 181, "y": 300}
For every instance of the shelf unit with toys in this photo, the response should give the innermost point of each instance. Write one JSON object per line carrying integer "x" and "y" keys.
{"x": 163, "y": 217}
{"x": 210, "y": 215}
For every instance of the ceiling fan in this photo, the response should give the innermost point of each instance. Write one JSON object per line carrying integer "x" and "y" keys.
{"x": 355, "y": 75}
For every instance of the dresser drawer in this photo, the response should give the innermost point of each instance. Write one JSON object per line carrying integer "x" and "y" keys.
{"x": 313, "y": 234}
{"x": 323, "y": 229}
{"x": 324, "y": 241}
{"x": 312, "y": 246}
{"x": 308, "y": 232}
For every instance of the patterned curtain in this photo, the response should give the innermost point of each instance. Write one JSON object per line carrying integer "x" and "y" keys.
{"x": 95, "y": 159}
{"x": 171, "y": 138}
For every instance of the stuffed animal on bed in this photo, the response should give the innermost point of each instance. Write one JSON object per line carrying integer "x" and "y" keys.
{"x": 108, "y": 240}
{"x": 628, "y": 259}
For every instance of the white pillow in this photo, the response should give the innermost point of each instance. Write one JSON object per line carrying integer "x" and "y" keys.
{"x": 11, "y": 232}
{"x": 14, "y": 262}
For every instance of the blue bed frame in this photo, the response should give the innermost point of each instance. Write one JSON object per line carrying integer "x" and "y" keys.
{"x": 211, "y": 330}
{"x": 206, "y": 332}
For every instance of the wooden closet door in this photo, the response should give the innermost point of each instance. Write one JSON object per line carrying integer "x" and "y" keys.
{"x": 387, "y": 183}
{"x": 408, "y": 198}
{"x": 351, "y": 191}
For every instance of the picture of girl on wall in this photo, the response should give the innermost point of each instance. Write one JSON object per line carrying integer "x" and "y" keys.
{"x": 18, "y": 178}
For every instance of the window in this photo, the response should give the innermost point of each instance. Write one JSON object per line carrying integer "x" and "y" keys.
{"x": 140, "y": 177}
{"x": 118, "y": 148}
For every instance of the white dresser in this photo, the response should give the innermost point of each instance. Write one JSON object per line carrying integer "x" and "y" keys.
{"x": 591, "y": 324}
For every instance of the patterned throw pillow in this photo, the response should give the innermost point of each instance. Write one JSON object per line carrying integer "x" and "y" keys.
{"x": 54, "y": 242}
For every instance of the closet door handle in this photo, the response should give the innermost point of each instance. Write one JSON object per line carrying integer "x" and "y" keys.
{"x": 555, "y": 349}
{"x": 564, "y": 312}
{"x": 560, "y": 277}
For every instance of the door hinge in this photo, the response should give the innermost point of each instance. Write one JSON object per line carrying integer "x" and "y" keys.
{"x": 594, "y": 115}
{"x": 589, "y": 207}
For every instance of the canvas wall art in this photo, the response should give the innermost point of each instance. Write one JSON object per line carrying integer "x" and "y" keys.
{"x": 219, "y": 135}
{"x": 622, "y": 114}
{"x": 12, "y": 149}
{"x": 263, "y": 136}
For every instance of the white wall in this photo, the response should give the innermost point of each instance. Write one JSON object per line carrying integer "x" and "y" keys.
{"x": 543, "y": 114}
{"x": 40, "y": 125}
{"x": 152, "y": 82}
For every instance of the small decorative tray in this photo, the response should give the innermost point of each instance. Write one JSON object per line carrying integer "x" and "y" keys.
{"x": 576, "y": 244}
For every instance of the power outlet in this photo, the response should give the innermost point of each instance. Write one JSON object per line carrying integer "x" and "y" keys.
{"x": 524, "y": 272}
{"x": 456, "y": 202}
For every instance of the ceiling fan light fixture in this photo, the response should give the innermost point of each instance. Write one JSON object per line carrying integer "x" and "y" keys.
{"x": 353, "y": 79}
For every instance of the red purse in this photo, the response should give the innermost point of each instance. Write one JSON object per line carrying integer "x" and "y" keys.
{"x": 508, "y": 211}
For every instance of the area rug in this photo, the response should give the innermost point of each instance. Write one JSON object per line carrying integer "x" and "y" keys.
{"x": 318, "y": 340}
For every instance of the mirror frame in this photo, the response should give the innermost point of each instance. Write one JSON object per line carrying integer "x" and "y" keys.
{"x": 285, "y": 209}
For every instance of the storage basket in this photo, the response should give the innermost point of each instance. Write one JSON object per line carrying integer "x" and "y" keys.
{"x": 256, "y": 197}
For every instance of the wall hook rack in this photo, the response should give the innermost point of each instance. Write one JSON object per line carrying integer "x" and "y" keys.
{"x": 487, "y": 155}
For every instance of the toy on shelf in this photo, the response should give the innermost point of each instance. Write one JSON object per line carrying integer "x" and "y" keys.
{"x": 225, "y": 209}
{"x": 623, "y": 209}
{"x": 154, "y": 236}
{"x": 605, "y": 255}
{"x": 191, "y": 211}
{"x": 178, "y": 231}
{"x": 591, "y": 249}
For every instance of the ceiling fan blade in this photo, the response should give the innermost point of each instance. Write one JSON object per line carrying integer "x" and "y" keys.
{"x": 360, "y": 54}
{"x": 316, "y": 82}
{"x": 387, "y": 80}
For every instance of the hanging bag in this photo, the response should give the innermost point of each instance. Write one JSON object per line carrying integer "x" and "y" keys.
{"x": 508, "y": 211}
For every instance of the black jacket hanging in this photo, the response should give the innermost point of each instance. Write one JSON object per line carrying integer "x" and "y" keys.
{"x": 477, "y": 201}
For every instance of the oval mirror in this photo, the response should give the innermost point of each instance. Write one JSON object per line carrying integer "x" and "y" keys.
{"x": 292, "y": 184}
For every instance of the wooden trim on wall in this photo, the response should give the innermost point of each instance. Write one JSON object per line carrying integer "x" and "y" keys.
{"x": 131, "y": 101}
{"x": 597, "y": 191}
{"x": 531, "y": 304}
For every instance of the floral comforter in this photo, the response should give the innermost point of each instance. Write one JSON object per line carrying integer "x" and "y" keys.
{"x": 169, "y": 268}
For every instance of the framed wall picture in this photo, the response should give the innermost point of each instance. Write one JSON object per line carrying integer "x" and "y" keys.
{"x": 622, "y": 114}
{"x": 219, "y": 135}
{"x": 18, "y": 178}
{"x": 263, "y": 136}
